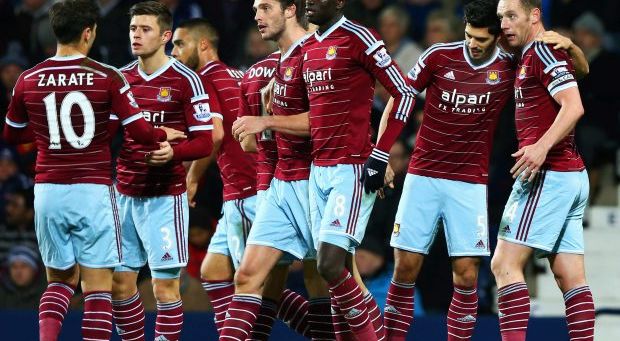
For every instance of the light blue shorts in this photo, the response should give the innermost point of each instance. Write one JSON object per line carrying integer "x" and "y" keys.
{"x": 260, "y": 198}
{"x": 339, "y": 207}
{"x": 77, "y": 223}
{"x": 233, "y": 228}
{"x": 461, "y": 205}
{"x": 547, "y": 214}
{"x": 154, "y": 230}
{"x": 283, "y": 221}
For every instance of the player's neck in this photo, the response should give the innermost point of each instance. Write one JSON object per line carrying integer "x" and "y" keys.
{"x": 535, "y": 32}
{"x": 292, "y": 34}
{"x": 154, "y": 62}
{"x": 206, "y": 58}
{"x": 70, "y": 50}
{"x": 330, "y": 23}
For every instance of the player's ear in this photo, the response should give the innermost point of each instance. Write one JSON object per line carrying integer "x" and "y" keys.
{"x": 289, "y": 12}
{"x": 88, "y": 33}
{"x": 340, "y": 4}
{"x": 203, "y": 44}
{"x": 535, "y": 15}
{"x": 166, "y": 36}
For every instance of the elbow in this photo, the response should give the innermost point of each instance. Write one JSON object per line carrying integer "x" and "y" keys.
{"x": 580, "y": 111}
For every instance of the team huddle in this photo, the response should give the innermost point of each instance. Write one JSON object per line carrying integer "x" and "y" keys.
{"x": 292, "y": 139}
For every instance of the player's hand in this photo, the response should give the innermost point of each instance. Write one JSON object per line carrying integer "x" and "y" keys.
{"x": 373, "y": 174}
{"x": 161, "y": 156}
{"x": 173, "y": 134}
{"x": 247, "y": 125}
{"x": 557, "y": 40}
{"x": 529, "y": 160}
{"x": 266, "y": 95}
{"x": 388, "y": 181}
{"x": 192, "y": 188}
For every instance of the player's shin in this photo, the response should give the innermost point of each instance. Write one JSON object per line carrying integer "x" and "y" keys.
{"x": 169, "y": 321}
{"x": 274, "y": 285}
{"x": 463, "y": 311}
{"x": 319, "y": 305}
{"x": 53, "y": 308}
{"x": 217, "y": 280}
{"x": 345, "y": 291}
{"x": 127, "y": 308}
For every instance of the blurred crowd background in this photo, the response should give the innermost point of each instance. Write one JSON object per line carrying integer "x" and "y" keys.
{"x": 407, "y": 28}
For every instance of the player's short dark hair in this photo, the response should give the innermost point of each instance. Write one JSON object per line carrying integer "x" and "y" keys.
{"x": 154, "y": 8}
{"x": 482, "y": 13}
{"x": 69, "y": 18}
{"x": 203, "y": 28}
{"x": 300, "y": 10}
{"x": 531, "y": 4}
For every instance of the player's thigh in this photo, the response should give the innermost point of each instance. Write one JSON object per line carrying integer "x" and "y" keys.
{"x": 239, "y": 218}
{"x": 571, "y": 236}
{"x": 276, "y": 282}
{"x": 163, "y": 230}
{"x": 281, "y": 220}
{"x": 219, "y": 241}
{"x": 419, "y": 211}
{"x": 315, "y": 284}
{"x": 216, "y": 267}
{"x": 317, "y": 200}
{"x": 130, "y": 214}
{"x": 97, "y": 235}
{"x": 465, "y": 218}
{"x": 258, "y": 261}
{"x": 347, "y": 209}
{"x": 537, "y": 211}
{"x": 52, "y": 225}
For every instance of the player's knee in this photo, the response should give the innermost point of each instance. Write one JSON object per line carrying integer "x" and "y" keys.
{"x": 244, "y": 278}
{"x": 503, "y": 268}
{"x": 329, "y": 268}
{"x": 166, "y": 291}
{"x": 405, "y": 270}
{"x": 122, "y": 288}
{"x": 466, "y": 277}
{"x": 569, "y": 281}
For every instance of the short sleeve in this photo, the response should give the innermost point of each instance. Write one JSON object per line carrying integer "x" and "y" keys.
{"x": 200, "y": 106}
{"x": 421, "y": 74}
{"x": 554, "y": 69}
{"x": 17, "y": 116}
{"x": 124, "y": 107}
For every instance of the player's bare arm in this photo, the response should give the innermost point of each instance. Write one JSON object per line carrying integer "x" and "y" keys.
{"x": 248, "y": 144}
{"x": 388, "y": 179}
{"x": 298, "y": 125}
{"x": 582, "y": 68}
{"x": 531, "y": 158}
{"x": 200, "y": 166}
{"x": 173, "y": 134}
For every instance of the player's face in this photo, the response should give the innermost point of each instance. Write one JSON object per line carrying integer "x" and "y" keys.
{"x": 270, "y": 19}
{"x": 480, "y": 43}
{"x": 320, "y": 12}
{"x": 146, "y": 36}
{"x": 515, "y": 21}
{"x": 185, "y": 48}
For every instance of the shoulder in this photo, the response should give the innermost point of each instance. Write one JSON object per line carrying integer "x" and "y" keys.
{"x": 269, "y": 61}
{"x": 366, "y": 37}
{"x": 188, "y": 77}
{"x": 548, "y": 56}
{"x": 129, "y": 67}
{"x": 439, "y": 48}
{"x": 109, "y": 70}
